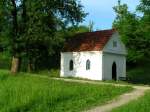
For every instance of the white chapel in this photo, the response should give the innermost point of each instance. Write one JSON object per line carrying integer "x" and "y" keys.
{"x": 99, "y": 55}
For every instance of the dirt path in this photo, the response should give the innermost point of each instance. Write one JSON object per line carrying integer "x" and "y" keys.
{"x": 121, "y": 100}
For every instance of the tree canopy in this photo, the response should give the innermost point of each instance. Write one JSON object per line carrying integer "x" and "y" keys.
{"x": 31, "y": 25}
{"x": 134, "y": 30}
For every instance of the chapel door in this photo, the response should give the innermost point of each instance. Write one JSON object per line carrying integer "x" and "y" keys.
{"x": 114, "y": 71}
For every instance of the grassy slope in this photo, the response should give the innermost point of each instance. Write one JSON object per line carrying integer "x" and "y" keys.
{"x": 138, "y": 75}
{"x": 33, "y": 94}
{"x": 140, "y": 105}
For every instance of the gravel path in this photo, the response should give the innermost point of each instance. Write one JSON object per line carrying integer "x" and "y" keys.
{"x": 121, "y": 100}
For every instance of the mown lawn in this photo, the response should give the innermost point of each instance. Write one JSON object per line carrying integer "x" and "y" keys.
{"x": 24, "y": 93}
{"x": 140, "y": 105}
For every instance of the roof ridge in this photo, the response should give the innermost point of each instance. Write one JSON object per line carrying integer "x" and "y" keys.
{"x": 84, "y": 41}
{"x": 112, "y": 29}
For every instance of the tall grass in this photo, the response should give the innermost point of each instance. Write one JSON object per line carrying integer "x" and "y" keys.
{"x": 24, "y": 93}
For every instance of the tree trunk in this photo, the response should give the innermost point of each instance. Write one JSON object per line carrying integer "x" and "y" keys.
{"x": 15, "y": 59}
{"x": 15, "y": 65}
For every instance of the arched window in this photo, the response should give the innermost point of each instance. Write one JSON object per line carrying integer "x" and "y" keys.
{"x": 88, "y": 64}
{"x": 71, "y": 65}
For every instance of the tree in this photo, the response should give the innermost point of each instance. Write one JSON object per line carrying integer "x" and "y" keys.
{"x": 129, "y": 26}
{"x": 144, "y": 29}
{"x": 34, "y": 23}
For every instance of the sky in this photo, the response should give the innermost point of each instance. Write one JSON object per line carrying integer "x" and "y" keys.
{"x": 101, "y": 12}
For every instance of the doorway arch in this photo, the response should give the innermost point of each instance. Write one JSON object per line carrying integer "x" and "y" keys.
{"x": 114, "y": 71}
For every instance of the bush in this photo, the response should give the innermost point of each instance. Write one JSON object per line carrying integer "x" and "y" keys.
{"x": 5, "y": 60}
{"x": 140, "y": 75}
{"x": 51, "y": 73}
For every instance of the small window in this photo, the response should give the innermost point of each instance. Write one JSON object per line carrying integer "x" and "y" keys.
{"x": 88, "y": 65}
{"x": 71, "y": 65}
{"x": 114, "y": 43}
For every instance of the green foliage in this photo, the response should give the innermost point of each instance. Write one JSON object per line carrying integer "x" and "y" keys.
{"x": 144, "y": 7}
{"x": 139, "y": 74}
{"x": 5, "y": 60}
{"x": 71, "y": 31}
{"x": 140, "y": 105}
{"x": 31, "y": 93}
{"x": 134, "y": 31}
{"x": 52, "y": 56}
{"x": 44, "y": 30}
{"x": 29, "y": 26}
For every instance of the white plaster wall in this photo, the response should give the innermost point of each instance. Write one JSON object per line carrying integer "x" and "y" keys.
{"x": 120, "y": 49}
{"x": 79, "y": 59}
{"x": 113, "y": 54}
{"x": 101, "y": 61}
{"x": 108, "y": 60}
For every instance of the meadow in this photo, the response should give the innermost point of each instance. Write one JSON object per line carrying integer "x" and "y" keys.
{"x": 140, "y": 105}
{"x": 27, "y": 93}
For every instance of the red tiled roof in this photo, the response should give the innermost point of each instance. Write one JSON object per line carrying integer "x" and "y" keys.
{"x": 90, "y": 41}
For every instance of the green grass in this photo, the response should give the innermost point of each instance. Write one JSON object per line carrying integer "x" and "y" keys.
{"x": 140, "y": 105}
{"x": 26, "y": 93}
